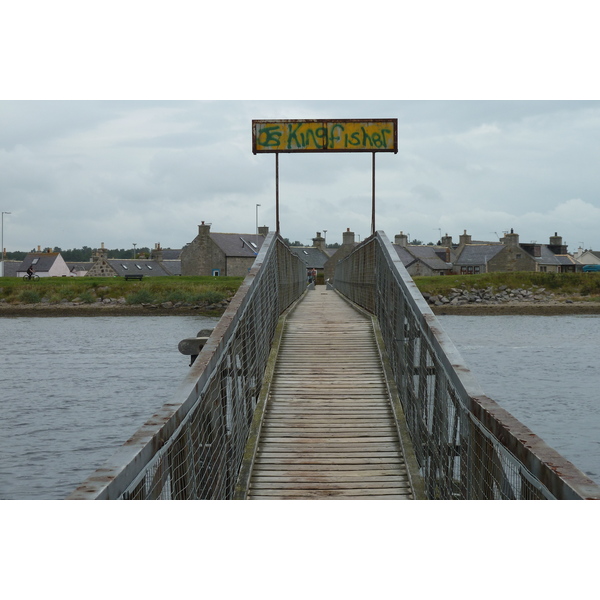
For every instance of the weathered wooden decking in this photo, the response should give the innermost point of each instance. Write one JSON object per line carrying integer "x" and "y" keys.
{"x": 328, "y": 430}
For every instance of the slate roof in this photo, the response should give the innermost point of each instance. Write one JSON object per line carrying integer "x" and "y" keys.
{"x": 43, "y": 264}
{"x": 169, "y": 254}
{"x": 238, "y": 244}
{"x": 10, "y": 268}
{"x": 549, "y": 258}
{"x": 138, "y": 266}
{"x": 429, "y": 255}
{"x": 478, "y": 254}
{"x": 79, "y": 266}
{"x": 312, "y": 257}
{"x": 404, "y": 255}
{"x": 172, "y": 266}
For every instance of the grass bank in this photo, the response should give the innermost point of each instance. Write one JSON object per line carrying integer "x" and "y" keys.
{"x": 573, "y": 286}
{"x": 89, "y": 290}
{"x": 206, "y": 291}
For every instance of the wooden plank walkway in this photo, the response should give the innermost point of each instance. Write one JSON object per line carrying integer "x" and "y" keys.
{"x": 328, "y": 430}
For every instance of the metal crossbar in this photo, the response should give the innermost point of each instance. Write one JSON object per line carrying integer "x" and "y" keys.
{"x": 466, "y": 445}
{"x": 193, "y": 447}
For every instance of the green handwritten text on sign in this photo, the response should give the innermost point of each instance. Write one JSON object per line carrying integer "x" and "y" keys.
{"x": 344, "y": 135}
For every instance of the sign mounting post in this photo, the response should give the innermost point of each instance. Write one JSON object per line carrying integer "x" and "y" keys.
{"x": 324, "y": 135}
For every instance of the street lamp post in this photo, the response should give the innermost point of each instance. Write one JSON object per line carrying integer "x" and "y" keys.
{"x": 325, "y": 236}
{"x": 134, "y": 245}
{"x": 257, "y": 218}
{"x": 2, "y": 245}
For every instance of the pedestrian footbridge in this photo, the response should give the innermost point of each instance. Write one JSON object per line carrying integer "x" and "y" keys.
{"x": 345, "y": 391}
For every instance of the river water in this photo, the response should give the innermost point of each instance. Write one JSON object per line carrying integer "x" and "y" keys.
{"x": 542, "y": 369}
{"x": 74, "y": 389}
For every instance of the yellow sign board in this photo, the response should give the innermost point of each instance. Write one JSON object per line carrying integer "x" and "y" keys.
{"x": 342, "y": 135}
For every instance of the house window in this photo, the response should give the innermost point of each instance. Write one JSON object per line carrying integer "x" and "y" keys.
{"x": 518, "y": 256}
{"x": 124, "y": 266}
{"x": 149, "y": 267}
{"x": 216, "y": 272}
{"x": 35, "y": 261}
{"x": 138, "y": 266}
{"x": 476, "y": 269}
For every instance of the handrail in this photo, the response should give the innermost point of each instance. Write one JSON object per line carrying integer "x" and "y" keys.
{"x": 467, "y": 446}
{"x": 193, "y": 446}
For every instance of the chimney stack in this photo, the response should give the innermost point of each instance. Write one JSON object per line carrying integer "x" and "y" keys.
{"x": 510, "y": 239}
{"x": 447, "y": 241}
{"x": 401, "y": 239}
{"x": 204, "y": 229}
{"x": 464, "y": 239}
{"x": 319, "y": 241}
{"x": 556, "y": 240}
{"x": 348, "y": 238}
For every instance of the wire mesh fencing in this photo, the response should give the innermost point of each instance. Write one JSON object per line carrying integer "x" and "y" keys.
{"x": 193, "y": 446}
{"x": 466, "y": 445}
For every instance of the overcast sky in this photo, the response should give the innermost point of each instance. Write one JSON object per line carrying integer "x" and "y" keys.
{"x": 75, "y": 173}
{"x": 85, "y": 159}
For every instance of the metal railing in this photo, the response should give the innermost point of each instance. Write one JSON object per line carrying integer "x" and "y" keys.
{"x": 193, "y": 446}
{"x": 466, "y": 445}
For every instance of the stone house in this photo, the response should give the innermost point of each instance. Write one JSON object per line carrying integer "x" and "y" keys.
{"x": 472, "y": 257}
{"x": 348, "y": 244}
{"x": 425, "y": 260}
{"x": 315, "y": 256}
{"x": 155, "y": 266}
{"x": 45, "y": 264}
{"x": 221, "y": 254}
{"x": 510, "y": 255}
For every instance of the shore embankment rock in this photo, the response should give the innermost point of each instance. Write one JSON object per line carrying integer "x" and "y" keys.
{"x": 505, "y": 301}
{"x": 109, "y": 308}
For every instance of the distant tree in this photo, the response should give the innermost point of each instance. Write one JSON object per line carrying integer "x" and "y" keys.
{"x": 430, "y": 244}
{"x": 335, "y": 245}
{"x": 416, "y": 242}
{"x": 15, "y": 255}
{"x": 77, "y": 254}
{"x": 296, "y": 243}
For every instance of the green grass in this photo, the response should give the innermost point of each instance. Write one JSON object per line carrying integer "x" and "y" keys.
{"x": 152, "y": 290}
{"x": 211, "y": 290}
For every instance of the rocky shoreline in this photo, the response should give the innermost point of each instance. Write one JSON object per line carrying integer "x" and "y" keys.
{"x": 506, "y": 301}
{"x": 110, "y": 309}
{"x": 545, "y": 306}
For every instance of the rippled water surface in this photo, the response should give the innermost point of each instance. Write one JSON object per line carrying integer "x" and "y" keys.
{"x": 73, "y": 389}
{"x": 544, "y": 371}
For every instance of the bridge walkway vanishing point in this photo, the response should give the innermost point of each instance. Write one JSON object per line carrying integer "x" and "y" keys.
{"x": 328, "y": 430}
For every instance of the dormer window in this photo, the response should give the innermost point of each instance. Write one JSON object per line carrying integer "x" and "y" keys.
{"x": 35, "y": 261}
{"x": 124, "y": 266}
{"x": 138, "y": 266}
